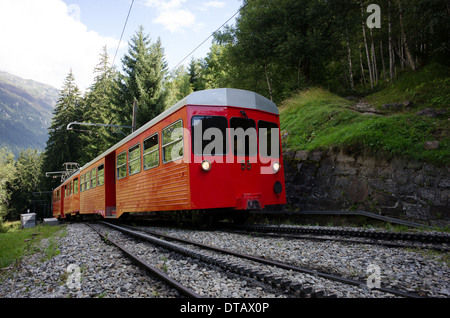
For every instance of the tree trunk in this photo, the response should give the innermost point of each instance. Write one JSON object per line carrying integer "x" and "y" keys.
{"x": 409, "y": 58}
{"x": 373, "y": 59}
{"x": 269, "y": 82}
{"x": 400, "y": 53}
{"x": 382, "y": 60}
{"x": 363, "y": 77}
{"x": 349, "y": 57}
{"x": 391, "y": 49}
{"x": 367, "y": 48}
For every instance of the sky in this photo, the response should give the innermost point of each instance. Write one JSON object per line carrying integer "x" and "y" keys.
{"x": 43, "y": 40}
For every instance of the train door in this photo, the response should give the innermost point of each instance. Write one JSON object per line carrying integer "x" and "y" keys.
{"x": 110, "y": 185}
{"x": 246, "y": 167}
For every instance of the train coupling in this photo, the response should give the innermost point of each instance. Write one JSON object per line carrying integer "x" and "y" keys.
{"x": 250, "y": 202}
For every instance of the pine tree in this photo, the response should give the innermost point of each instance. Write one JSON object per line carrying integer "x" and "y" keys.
{"x": 196, "y": 78}
{"x": 99, "y": 105}
{"x": 64, "y": 145}
{"x": 25, "y": 182}
{"x": 7, "y": 173}
{"x": 177, "y": 86}
{"x": 144, "y": 69}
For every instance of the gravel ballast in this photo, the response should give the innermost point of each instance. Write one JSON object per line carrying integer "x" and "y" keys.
{"x": 105, "y": 272}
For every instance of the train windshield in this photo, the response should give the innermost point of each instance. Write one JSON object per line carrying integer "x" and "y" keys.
{"x": 269, "y": 142}
{"x": 243, "y": 136}
{"x": 209, "y": 135}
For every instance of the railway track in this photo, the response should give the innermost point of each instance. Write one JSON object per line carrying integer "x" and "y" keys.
{"x": 407, "y": 236}
{"x": 289, "y": 280}
{"x": 434, "y": 241}
{"x": 155, "y": 271}
{"x": 231, "y": 273}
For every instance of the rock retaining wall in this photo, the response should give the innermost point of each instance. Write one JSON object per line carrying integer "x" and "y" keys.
{"x": 333, "y": 180}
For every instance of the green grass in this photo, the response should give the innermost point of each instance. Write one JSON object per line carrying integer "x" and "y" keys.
{"x": 318, "y": 120}
{"x": 17, "y": 242}
{"x": 427, "y": 87}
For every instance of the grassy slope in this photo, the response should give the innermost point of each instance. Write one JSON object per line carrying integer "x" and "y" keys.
{"x": 17, "y": 242}
{"x": 318, "y": 119}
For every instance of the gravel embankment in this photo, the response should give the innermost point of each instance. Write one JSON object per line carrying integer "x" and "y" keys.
{"x": 104, "y": 272}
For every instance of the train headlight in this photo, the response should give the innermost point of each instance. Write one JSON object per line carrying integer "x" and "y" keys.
{"x": 276, "y": 167}
{"x": 206, "y": 165}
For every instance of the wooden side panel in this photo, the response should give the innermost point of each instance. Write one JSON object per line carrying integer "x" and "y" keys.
{"x": 57, "y": 204}
{"x": 93, "y": 200}
{"x": 71, "y": 202}
{"x": 162, "y": 188}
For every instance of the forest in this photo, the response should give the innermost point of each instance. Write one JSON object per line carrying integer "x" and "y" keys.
{"x": 276, "y": 48}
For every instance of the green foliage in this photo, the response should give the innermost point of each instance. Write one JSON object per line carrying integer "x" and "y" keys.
{"x": 63, "y": 145}
{"x": 18, "y": 180}
{"x": 196, "y": 79}
{"x": 177, "y": 86}
{"x": 25, "y": 181}
{"x": 279, "y": 47}
{"x": 144, "y": 69}
{"x": 99, "y": 103}
{"x": 429, "y": 86}
{"x": 7, "y": 172}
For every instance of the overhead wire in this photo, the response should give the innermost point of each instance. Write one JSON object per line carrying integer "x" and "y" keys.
{"x": 195, "y": 49}
{"x": 123, "y": 30}
{"x": 212, "y": 34}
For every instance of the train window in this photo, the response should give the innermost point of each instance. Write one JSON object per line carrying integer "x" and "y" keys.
{"x": 65, "y": 191}
{"x": 172, "y": 142}
{"x": 82, "y": 183}
{"x": 243, "y": 136}
{"x": 134, "y": 159}
{"x": 101, "y": 175}
{"x": 93, "y": 178}
{"x": 71, "y": 187}
{"x": 268, "y": 139}
{"x": 75, "y": 186}
{"x": 122, "y": 165}
{"x": 151, "y": 152}
{"x": 88, "y": 181}
{"x": 209, "y": 135}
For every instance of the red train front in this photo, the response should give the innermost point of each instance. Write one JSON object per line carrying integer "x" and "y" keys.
{"x": 235, "y": 152}
{"x": 215, "y": 150}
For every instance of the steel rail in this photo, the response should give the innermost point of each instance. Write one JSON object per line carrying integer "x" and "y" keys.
{"x": 345, "y": 240}
{"x": 183, "y": 289}
{"x": 418, "y": 237}
{"x": 341, "y": 279}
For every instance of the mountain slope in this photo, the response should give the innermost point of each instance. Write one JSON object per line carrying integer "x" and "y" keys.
{"x": 25, "y": 112}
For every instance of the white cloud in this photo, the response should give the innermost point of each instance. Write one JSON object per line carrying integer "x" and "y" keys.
{"x": 42, "y": 40}
{"x": 215, "y": 4}
{"x": 172, "y": 14}
{"x": 176, "y": 20}
{"x": 165, "y": 5}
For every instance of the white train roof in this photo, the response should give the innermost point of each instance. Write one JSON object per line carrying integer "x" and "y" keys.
{"x": 212, "y": 97}
{"x": 229, "y": 97}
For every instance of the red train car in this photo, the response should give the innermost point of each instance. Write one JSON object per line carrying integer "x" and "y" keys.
{"x": 215, "y": 150}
